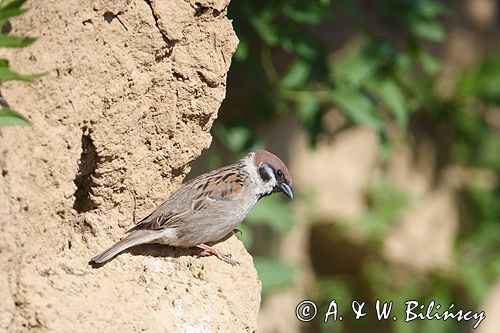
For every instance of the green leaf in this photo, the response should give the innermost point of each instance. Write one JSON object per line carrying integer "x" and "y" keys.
{"x": 305, "y": 47}
{"x": 10, "y": 4}
{"x": 362, "y": 65}
{"x": 430, "y": 9}
{"x": 387, "y": 203}
{"x": 357, "y": 106}
{"x": 242, "y": 50}
{"x": 15, "y": 41}
{"x": 6, "y": 74}
{"x": 312, "y": 14}
{"x": 482, "y": 81}
{"x": 238, "y": 137}
{"x": 391, "y": 95}
{"x": 10, "y": 9}
{"x": 329, "y": 286}
{"x": 9, "y": 117}
{"x": 403, "y": 60}
{"x": 308, "y": 107}
{"x": 5, "y": 14}
{"x": 489, "y": 151}
{"x": 297, "y": 74}
{"x": 475, "y": 277}
{"x": 356, "y": 68}
{"x": 245, "y": 235}
{"x": 429, "y": 63}
{"x": 386, "y": 148}
{"x": 264, "y": 26}
{"x": 273, "y": 212}
{"x": 274, "y": 274}
{"x": 428, "y": 29}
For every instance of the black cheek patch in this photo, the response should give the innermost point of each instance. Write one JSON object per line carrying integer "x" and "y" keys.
{"x": 264, "y": 175}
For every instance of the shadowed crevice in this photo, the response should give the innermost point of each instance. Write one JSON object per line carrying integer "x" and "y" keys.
{"x": 169, "y": 44}
{"x": 83, "y": 179}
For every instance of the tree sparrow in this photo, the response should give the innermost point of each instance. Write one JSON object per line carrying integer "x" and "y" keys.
{"x": 209, "y": 207}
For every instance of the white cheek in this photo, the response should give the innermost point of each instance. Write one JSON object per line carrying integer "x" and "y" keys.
{"x": 258, "y": 184}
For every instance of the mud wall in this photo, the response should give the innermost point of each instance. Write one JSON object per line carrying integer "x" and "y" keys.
{"x": 131, "y": 91}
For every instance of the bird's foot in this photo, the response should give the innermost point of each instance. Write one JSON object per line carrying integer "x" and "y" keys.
{"x": 208, "y": 251}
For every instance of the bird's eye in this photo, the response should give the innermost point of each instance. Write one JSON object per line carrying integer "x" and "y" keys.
{"x": 280, "y": 174}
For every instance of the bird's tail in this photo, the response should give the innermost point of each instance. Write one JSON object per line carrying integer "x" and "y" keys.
{"x": 132, "y": 239}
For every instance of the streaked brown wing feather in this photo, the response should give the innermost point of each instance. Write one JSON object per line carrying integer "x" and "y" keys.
{"x": 199, "y": 194}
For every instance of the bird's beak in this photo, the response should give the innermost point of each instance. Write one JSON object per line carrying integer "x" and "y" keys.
{"x": 286, "y": 189}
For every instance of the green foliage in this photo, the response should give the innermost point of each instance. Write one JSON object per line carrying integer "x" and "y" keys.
{"x": 420, "y": 16}
{"x": 476, "y": 143}
{"x": 272, "y": 212}
{"x": 9, "y": 117}
{"x": 472, "y": 140}
{"x": 370, "y": 82}
{"x": 9, "y": 9}
{"x": 381, "y": 278}
{"x": 357, "y": 106}
{"x": 478, "y": 252}
{"x": 15, "y": 41}
{"x": 386, "y": 204}
{"x": 483, "y": 81}
{"x": 237, "y": 139}
{"x": 6, "y": 74}
{"x": 342, "y": 293}
{"x": 274, "y": 216}
{"x": 385, "y": 80}
{"x": 273, "y": 273}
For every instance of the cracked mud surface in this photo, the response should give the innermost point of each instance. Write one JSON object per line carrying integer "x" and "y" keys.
{"x": 131, "y": 92}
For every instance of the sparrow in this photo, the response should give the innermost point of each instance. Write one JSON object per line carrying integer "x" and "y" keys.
{"x": 209, "y": 207}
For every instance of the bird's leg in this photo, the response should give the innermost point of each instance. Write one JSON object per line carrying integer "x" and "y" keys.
{"x": 208, "y": 250}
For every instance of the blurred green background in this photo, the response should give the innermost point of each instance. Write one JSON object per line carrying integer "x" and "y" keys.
{"x": 387, "y": 113}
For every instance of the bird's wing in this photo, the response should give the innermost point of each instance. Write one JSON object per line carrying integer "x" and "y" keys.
{"x": 201, "y": 193}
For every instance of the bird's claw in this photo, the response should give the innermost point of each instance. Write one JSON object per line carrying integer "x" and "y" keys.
{"x": 226, "y": 257}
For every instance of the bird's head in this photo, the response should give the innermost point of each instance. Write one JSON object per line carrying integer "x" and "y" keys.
{"x": 273, "y": 174}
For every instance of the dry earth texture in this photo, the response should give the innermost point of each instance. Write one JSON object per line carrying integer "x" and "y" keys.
{"x": 130, "y": 93}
